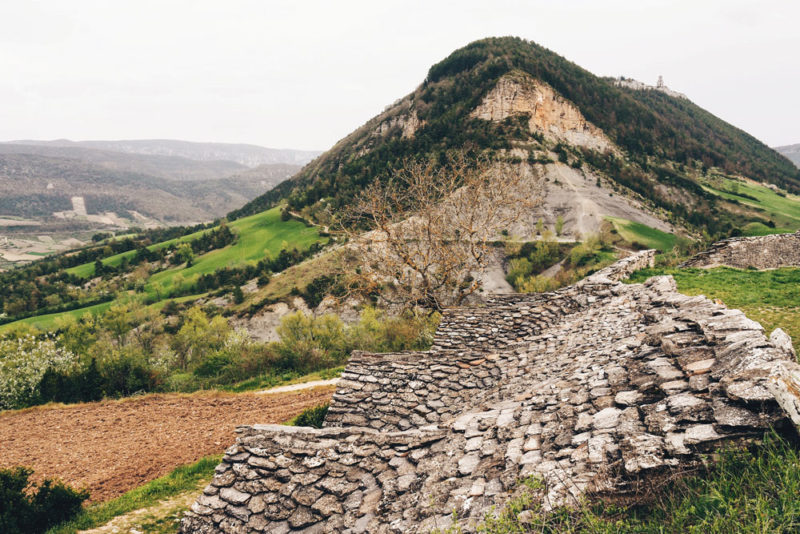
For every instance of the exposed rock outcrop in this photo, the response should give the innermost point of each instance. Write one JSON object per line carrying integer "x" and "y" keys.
{"x": 760, "y": 252}
{"x": 600, "y": 387}
{"x": 550, "y": 114}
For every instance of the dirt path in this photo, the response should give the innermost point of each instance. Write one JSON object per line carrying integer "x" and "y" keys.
{"x": 159, "y": 517}
{"x": 299, "y": 387}
{"x": 111, "y": 447}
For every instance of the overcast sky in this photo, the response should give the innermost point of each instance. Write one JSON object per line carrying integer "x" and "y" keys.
{"x": 303, "y": 74}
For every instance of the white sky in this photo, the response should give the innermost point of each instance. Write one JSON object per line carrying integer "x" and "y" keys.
{"x": 303, "y": 74}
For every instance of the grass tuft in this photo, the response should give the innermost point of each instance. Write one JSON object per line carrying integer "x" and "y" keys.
{"x": 748, "y": 491}
{"x": 181, "y": 479}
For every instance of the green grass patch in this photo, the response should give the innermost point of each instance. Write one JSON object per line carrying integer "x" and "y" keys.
{"x": 751, "y": 491}
{"x": 258, "y": 236}
{"x": 48, "y": 321}
{"x": 180, "y": 480}
{"x": 758, "y": 229}
{"x": 313, "y": 417}
{"x": 86, "y": 270}
{"x": 770, "y": 297}
{"x": 783, "y": 210}
{"x": 634, "y": 232}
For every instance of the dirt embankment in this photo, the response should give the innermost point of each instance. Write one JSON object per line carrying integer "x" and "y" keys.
{"x": 111, "y": 447}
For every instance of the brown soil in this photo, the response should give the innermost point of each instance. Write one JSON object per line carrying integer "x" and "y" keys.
{"x": 111, "y": 447}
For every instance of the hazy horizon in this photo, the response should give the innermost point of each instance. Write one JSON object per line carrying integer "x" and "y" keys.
{"x": 302, "y": 75}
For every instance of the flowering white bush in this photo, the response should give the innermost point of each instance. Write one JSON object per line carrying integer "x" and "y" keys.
{"x": 23, "y": 361}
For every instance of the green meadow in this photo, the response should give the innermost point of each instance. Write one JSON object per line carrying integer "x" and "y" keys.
{"x": 641, "y": 233}
{"x": 783, "y": 210}
{"x": 258, "y": 236}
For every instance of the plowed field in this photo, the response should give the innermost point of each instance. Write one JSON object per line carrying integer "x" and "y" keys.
{"x": 111, "y": 447}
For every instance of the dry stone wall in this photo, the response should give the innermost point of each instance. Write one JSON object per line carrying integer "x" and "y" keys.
{"x": 627, "y": 383}
{"x": 761, "y": 252}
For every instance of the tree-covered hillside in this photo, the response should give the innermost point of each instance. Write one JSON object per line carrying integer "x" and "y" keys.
{"x": 664, "y": 139}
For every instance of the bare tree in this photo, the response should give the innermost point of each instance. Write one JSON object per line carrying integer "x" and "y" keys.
{"x": 431, "y": 228}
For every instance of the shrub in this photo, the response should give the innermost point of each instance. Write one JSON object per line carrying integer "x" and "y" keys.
{"x": 26, "y": 509}
{"x": 542, "y": 254}
{"x": 213, "y": 365}
{"x": 23, "y": 362}
{"x": 238, "y": 294}
{"x": 536, "y": 284}
{"x": 313, "y": 417}
{"x": 82, "y": 385}
{"x": 586, "y": 252}
{"x": 377, "y": 333}
{"x": 182, "y": 383}
{"x": 309, "y": 343}
{"x": 127, "y": 375}
{"x": 518, "y": 268}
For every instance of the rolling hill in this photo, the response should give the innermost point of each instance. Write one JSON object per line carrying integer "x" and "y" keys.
{"x": 243, "y": 154}
{"x": 39, "y": 180}
{"x": 790, "y": 151}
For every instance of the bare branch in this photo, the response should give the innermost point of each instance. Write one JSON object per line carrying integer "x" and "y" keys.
{"x": 431, "y": 227}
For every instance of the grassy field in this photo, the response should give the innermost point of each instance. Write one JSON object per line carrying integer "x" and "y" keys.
{"x": 770, "y": 297}
{"x": 784, "y": 211}
{"x": 48, "y": 321}
{"x": 640, "y": 233}
{"x": 260, "y": 235}
{"x": 188, "y": 478}
{"x": 86, "y": 270}
{"x": 257, "y": 236}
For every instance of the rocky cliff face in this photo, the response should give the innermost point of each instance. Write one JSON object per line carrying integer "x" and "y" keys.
{"x": 550, "y": 114}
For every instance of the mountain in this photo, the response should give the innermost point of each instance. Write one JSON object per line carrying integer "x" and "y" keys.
{"x": 790, "y": 151}
{"x": 243, "y": 154}
{"x": 40, "y": 187}
{"x": 169, "y": 167}
{"x": 605, "y": 149}
{"x": 40, "y": 180}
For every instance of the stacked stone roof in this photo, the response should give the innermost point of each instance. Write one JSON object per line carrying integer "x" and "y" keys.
{"x": 596, "y": 388}
{"x": 759, "y": 252}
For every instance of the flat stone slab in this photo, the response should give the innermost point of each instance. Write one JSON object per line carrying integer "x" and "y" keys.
{"x": 596, "y": 387}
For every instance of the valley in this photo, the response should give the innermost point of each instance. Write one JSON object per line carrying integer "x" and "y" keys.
{"x": 69, "y": 191}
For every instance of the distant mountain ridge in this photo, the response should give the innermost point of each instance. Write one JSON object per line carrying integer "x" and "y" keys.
{"x": 790, "y": 151}
{"x": 243, "y": 154}
{"x": 169, "y": 167}
{"x": 37, "y": 186}
{"x": 39, "y": 181}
